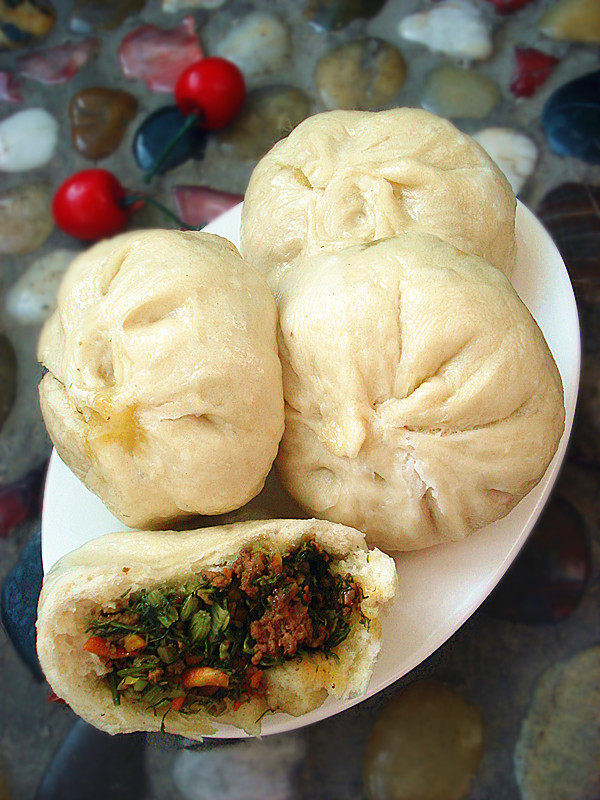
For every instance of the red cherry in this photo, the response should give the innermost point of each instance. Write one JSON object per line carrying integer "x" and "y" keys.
{"x": 212, "y": 88}
{"x": 533, "y": 69}
{"x": 89, "y": 205}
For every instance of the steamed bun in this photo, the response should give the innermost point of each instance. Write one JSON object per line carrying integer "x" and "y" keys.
{"x": 422, "y": 401}
{"x": 345, "y": 177}
{"x": 163, "y": 392}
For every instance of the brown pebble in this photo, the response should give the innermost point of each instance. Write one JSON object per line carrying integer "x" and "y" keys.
{"x": 99, "y": 119}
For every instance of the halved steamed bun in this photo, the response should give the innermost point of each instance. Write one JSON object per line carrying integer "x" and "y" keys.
{"x": 422, "y": 401}
{"x": 163, "y": 392}
{"x": 345, "y": 177}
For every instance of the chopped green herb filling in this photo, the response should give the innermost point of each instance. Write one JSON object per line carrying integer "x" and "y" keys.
{"x": 192, "y": 647}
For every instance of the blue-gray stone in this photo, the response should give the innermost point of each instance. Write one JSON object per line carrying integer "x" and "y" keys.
{"x": 157, "y": 130}
{"x": 18, "y": 603}
{"x": 93, "y": 765}
{"x": 571, "y": 119}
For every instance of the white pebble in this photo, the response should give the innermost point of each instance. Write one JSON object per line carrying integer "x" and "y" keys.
{"x": 173, "y": 6}
{"x": 27, "y": 140}
{"x": 515, "y": 153}
{"x": 259, "y": 43}
{"x": 32, "y": 298}
{"x": 258, "y": 769}
{"x": 454, "y": 27}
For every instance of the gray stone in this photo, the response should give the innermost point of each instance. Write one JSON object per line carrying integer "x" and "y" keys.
{"x": 366, "y": 74}
{"x": 425, "y": 745}
{"x": 32, "y": 298}
{"x": 173, "y": 6}
{"x": 515, "y": 153}
{"x": 240, "y": 770}
{"x": 25, "y": 218}
{"x": 268, "y": 115}
{"x": 455, "y": 27}
{"x": 558, "y": 752}
{"x": 455, "y": 92}
{"x": 8, "y": 378}
{"x": 27, "y": 140}
{"x": 258, "y": 43}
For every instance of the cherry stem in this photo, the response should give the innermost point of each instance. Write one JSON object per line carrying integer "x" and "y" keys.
{"x": 132, "y": 199}
{"x": 190, "y": 121}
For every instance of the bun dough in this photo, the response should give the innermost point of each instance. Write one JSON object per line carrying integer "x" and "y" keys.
{"x": 422, "y": 401}
{"x": 95, "y": 575}
{"x": 345, "y": 177}
{"x": 163, "y": 391}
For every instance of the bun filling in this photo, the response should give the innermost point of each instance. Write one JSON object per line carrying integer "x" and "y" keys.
{"x": 193, "y": 647}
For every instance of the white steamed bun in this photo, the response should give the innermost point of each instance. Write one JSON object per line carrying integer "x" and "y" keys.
{"x": 345, "y": 177}
{"x": 422, "y": 401}
{"x": 163, "y": 392}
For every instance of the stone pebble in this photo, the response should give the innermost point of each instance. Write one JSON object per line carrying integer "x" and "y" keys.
{"x": 268, "y": 114}
{"x": 32, "y": 299}
{"x": 570, "y": 214}
{"x": 366, "y": 74}
{"x": 574, "y": 20}
{"x": 107, "y": 15}
{"x": 571, "y": 119}
{"x": 24, "y": 21}
{"x": 239, "y": 771}
{"x": 454, "y": 27}
{"x": 558, "y": 751}
{"x": 514, "y": 152}
{"x": 56, "y": 65}
{"x": 158, "y": 56}
{"x": 199, "y": 205}
{"x": 425, "y": 745}
{"x": 28, "y": 140}
{"x": 99, "y": 118}
{"x": 8, "y": 377}
{"x": 456, "y": 92}
{"x": 25, "y": 217}
{"x": 173, "y": 6}
{"x": 258, "y": 43}
{"x": 332, "y": 15}
{"x": 550, "y": 576}
{"x": 157, "y": 130}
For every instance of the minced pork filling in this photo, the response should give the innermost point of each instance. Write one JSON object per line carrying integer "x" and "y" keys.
{"x": 194, "y": 646}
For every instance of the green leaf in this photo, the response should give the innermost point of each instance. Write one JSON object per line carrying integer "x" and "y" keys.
{"x": 166, "y": 654}
{"x": 154, "y": 695}
{"x": 200, "y": 625}
{"x": 140, "y": 685}
{"x": 189, "y": 607}
{"x": 155, "y": 598}
{"x": 129, "y": 680}
{"x": 219, "y": 620}
{"x": 112, "y": 684}
{"x": 168, "y": 616}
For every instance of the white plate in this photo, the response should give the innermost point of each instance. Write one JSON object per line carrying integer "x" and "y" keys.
{"x": 439, "y": 587}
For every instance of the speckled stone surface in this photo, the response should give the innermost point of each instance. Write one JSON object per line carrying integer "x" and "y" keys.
{"x": 492, "y": 663}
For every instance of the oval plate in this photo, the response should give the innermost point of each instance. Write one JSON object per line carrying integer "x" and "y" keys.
{"x": 439, "y": 587}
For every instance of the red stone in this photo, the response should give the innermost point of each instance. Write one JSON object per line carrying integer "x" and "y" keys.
{"x": 199, "y": 205}
{"x": 20, "y": 500}
{"x": 10, "y": 91}
{"x": 509, "y": 6}
{"x": 158, "y": 56}
{"x": 533, "y": 69}
{"x": 59, "y": 64}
